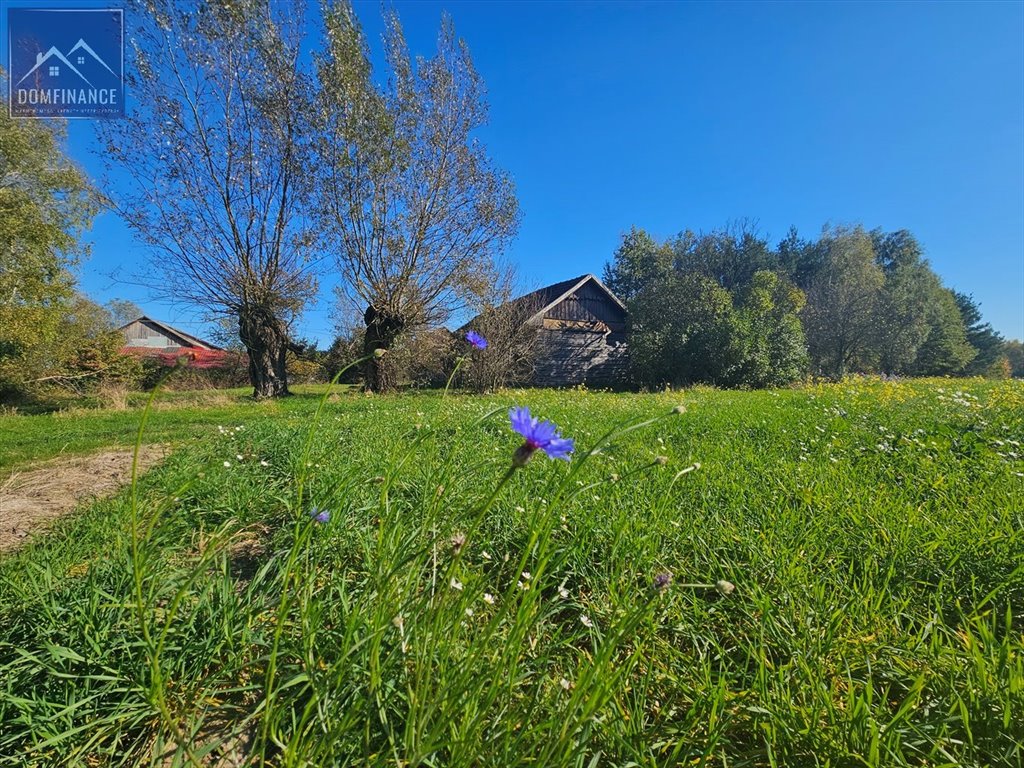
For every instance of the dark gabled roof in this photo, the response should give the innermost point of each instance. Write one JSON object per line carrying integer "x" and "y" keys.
{"x": 187, "y": 338}
{"x": 550, "y": 296}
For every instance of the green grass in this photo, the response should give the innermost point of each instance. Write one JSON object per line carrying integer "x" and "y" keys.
{"x": 874, "y": 533}
{"x": 178, "y": 416}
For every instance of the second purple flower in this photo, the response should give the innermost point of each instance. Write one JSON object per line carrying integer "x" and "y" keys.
{"x": 320, "y": 515}
{"x": 476, "y": 339}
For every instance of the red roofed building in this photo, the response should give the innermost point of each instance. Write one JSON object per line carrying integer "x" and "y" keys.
{"x": 146, "y": 337}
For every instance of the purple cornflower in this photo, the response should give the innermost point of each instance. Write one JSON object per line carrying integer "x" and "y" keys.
{"x": 538, "y": 435}
{"x": 476, "y": 339}
{"x": 320, "y": 515}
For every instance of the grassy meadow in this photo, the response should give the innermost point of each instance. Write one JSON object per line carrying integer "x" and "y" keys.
{"x": 847, "y": 583}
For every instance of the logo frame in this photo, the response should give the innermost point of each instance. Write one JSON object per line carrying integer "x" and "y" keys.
{"x": 66, "y": 110}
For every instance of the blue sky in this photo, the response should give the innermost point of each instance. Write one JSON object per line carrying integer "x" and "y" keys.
{"x": 674, "y": 116}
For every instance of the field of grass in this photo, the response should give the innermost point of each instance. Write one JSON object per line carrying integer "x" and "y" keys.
{"x": 452, "y": 612}
{"x": 177, "y": 416}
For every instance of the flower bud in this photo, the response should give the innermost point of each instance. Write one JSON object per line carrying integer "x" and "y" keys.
{"x": 679, "y": 409}
{"x": 522, "y": 455}
{"x": 379, "y": 352}
{"x": 725, "y": 587}
{"x": 661, "y": 460}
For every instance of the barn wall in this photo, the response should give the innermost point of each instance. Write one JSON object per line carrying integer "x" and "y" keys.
{"x": 142, "y": 335}
{"x": 568, "y": 357}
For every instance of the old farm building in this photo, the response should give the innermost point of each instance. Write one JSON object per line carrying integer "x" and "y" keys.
{"x": 146, "y": 337}
{"x": 581, "y": 327}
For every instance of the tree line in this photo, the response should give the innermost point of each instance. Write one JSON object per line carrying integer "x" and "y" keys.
{"x": 730, "y": 309}
{"x": 51, "y": 335}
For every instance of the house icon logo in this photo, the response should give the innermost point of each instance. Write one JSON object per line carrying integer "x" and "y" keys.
{"x": 66, "y": 62}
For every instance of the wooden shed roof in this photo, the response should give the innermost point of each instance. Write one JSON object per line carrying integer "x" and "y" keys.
{"x": 553, "y": 295}
{"x": 185, "y": 339}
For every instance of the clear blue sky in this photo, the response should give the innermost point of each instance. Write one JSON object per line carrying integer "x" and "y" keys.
{"x": 673, "y": 116}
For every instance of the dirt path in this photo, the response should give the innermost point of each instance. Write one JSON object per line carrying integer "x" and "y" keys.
{"x": 32, "y": 498}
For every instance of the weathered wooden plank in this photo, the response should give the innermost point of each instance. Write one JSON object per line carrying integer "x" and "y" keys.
{"x": 567, "y": 358}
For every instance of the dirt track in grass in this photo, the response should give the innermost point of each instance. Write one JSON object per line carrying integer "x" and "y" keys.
{"x": 32, "y": 498}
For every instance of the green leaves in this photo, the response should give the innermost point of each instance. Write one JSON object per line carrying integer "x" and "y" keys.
{"x": 727, "y": 309}
{"x": 404, "y": 190}
{"x": 699, "y": 314}
{"x": 50, "y": 336}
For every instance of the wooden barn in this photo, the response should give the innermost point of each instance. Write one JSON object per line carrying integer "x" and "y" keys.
{"x": 146, "y": 337}
{"x": 581, "y": 335}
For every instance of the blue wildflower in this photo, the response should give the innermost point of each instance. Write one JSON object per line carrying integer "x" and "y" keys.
{"x": 476, "y": 340}
{"x": 320, "y": 515}
{"x": 538, "y": 435}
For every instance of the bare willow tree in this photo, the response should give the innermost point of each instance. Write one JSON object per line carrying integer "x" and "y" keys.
{"x": 410, "y": 201}
{"x": 212, "y": 149}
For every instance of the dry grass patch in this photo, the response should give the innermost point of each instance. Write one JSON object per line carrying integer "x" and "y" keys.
{"x": 31, "y": 499}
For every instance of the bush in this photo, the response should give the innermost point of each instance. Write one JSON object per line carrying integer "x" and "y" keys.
{"x": 345, "y": 350}
{"x": 999, "y": 369}
{"x": 72, "y": 351}
{"x": 302, "y": 370}
{"x": 427, "y": 357}
{"x": 231, "y": 371}
{"x": 511, "y": 352}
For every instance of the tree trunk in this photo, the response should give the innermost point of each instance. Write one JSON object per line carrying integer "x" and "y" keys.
{"x": 382, "y": 330}
{"x": 266, "y": 340}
